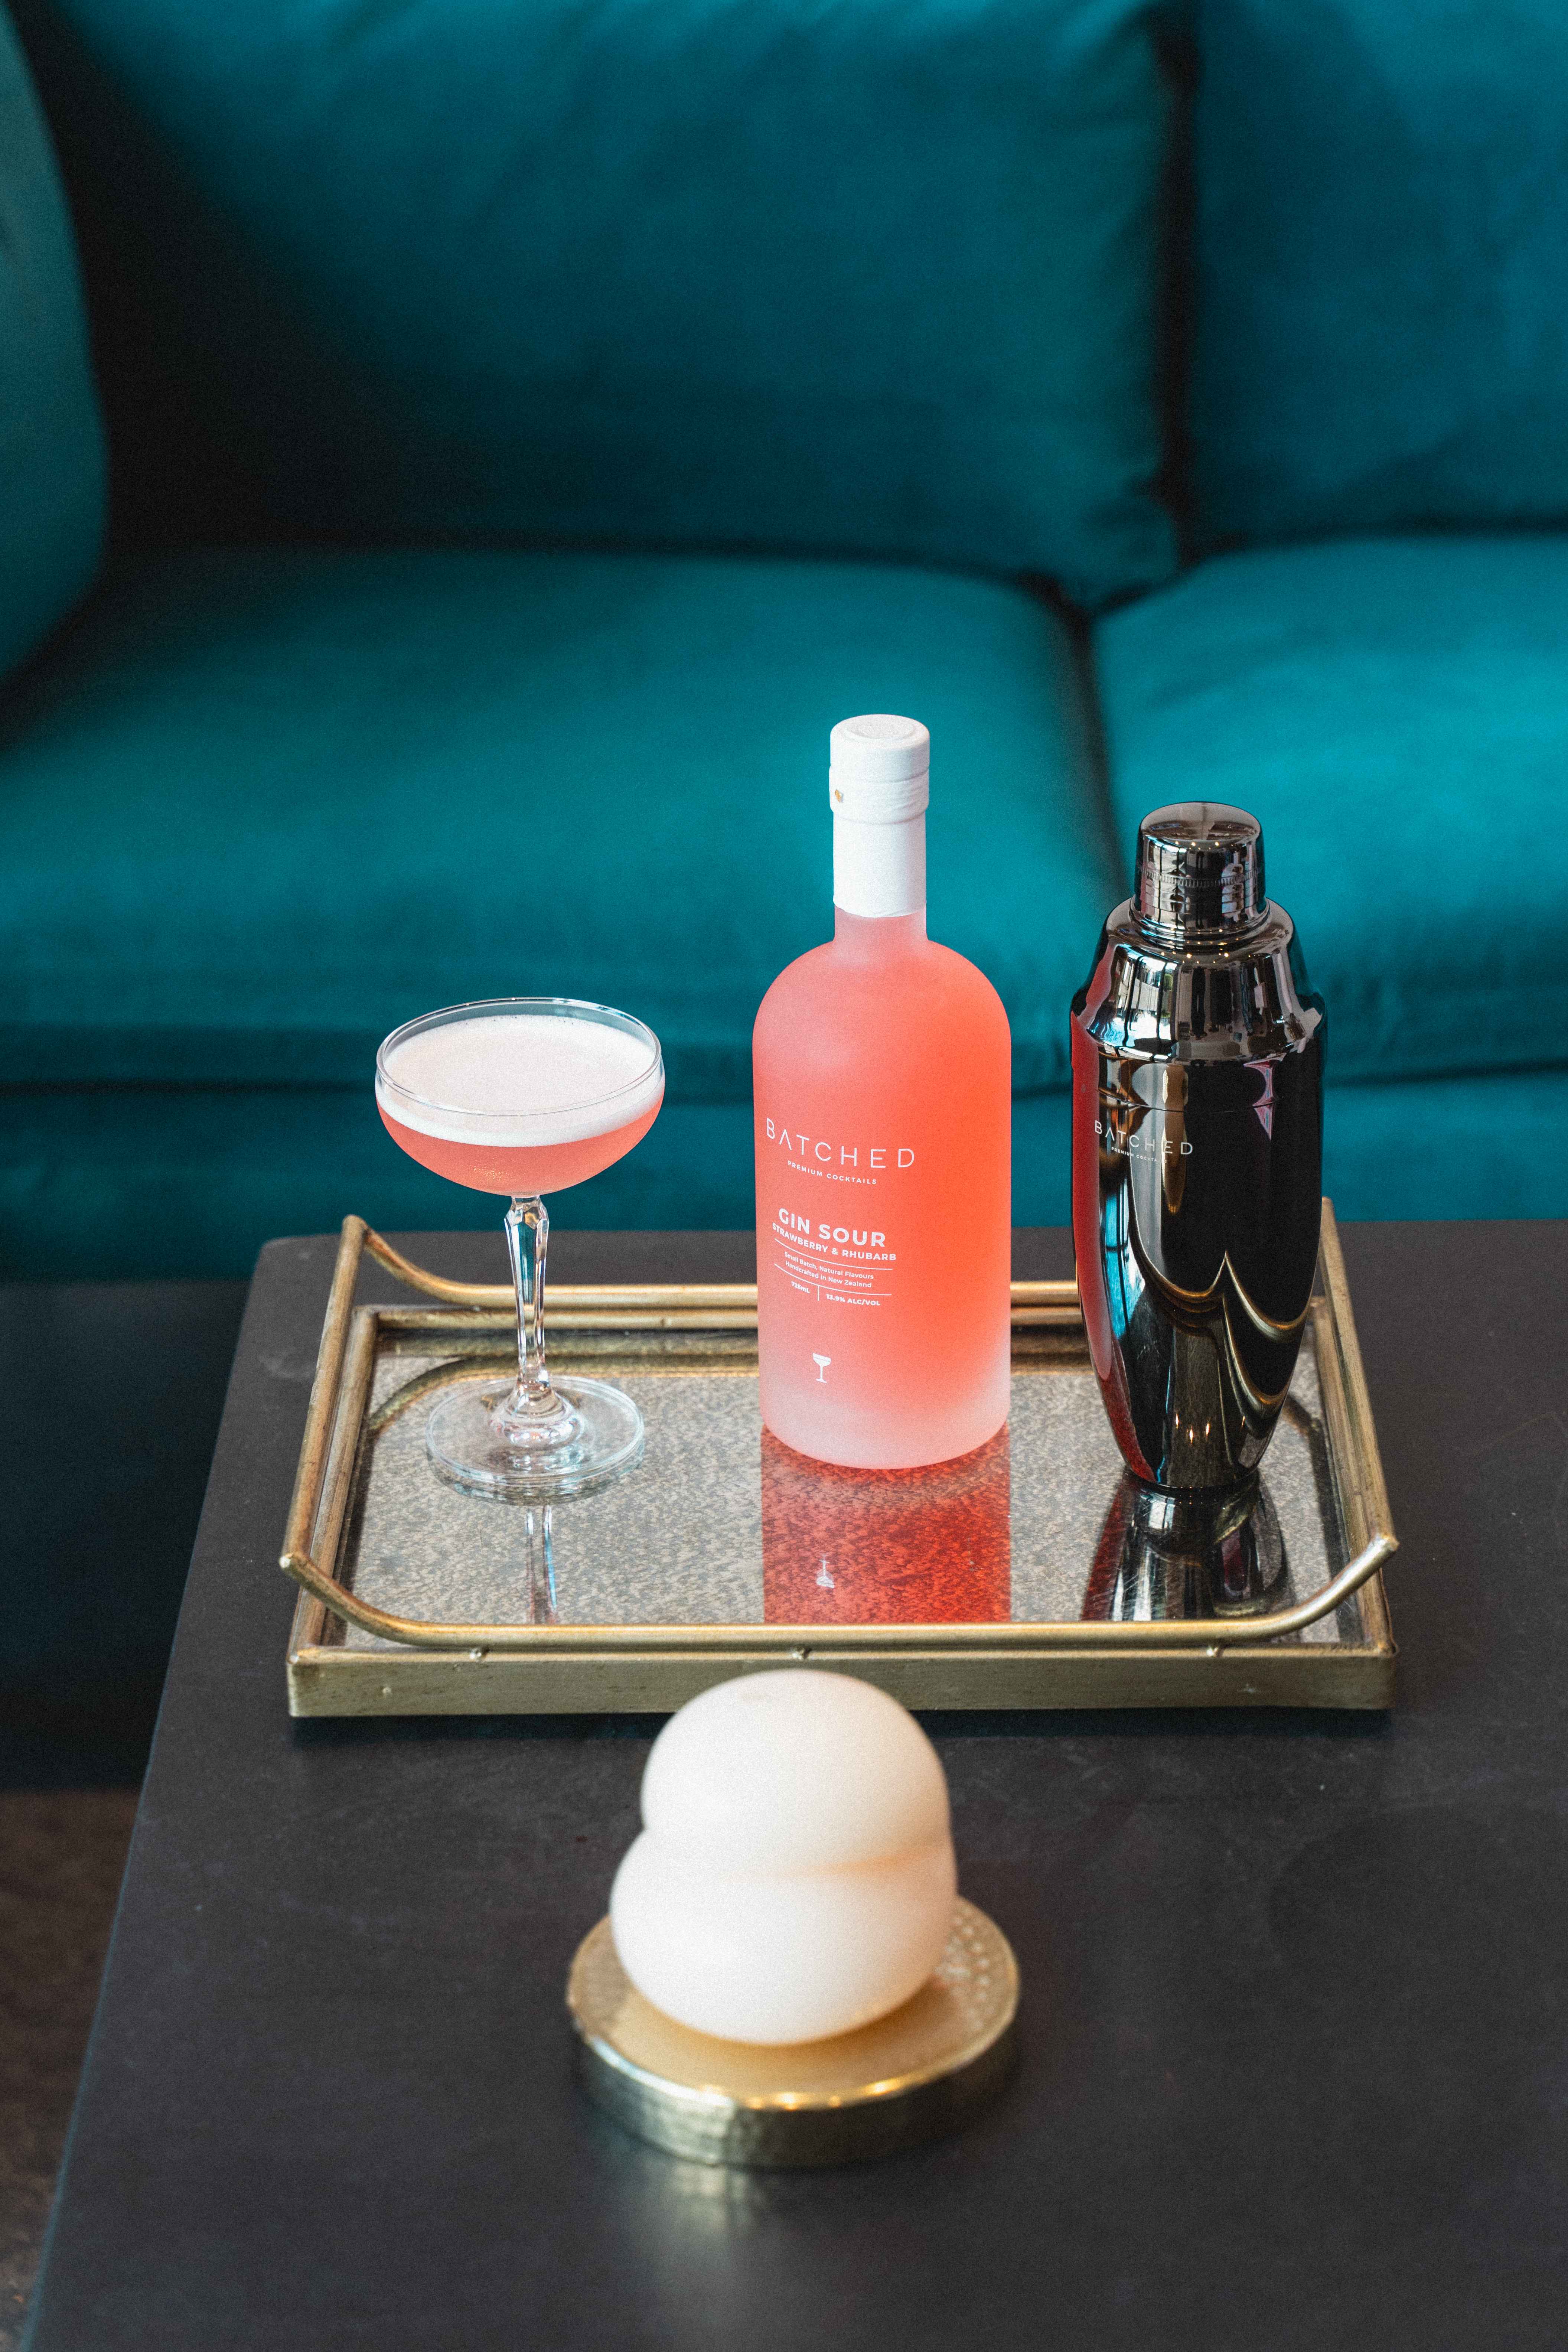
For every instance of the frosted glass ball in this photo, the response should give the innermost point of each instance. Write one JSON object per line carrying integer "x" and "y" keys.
{"x": 794, "y": 1877}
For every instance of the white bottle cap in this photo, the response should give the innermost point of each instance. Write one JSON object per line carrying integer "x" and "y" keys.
{"x": 878, "y": 787}
{"x": 878, "y": 769}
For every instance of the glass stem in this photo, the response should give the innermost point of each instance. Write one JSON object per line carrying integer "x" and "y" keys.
{"x": 532, "y": 1401}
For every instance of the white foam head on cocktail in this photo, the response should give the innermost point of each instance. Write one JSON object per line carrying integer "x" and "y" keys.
{"x": 519, "y": 1079}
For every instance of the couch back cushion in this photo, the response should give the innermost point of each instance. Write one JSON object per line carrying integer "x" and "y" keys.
{"x": 51, "y": 438}
{"x": 878, "y": 277}
{"x": 1383, "y": 264}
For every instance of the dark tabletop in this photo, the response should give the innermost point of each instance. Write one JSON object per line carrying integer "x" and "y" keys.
{"x": 1295, "y": 2032}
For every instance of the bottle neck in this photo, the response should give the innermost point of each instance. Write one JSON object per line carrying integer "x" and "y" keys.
{"x": 877, "y": 935}
{"x": 880, "y": 868}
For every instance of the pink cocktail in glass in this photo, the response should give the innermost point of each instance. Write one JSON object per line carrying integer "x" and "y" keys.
{"x": 521, "y": 1095}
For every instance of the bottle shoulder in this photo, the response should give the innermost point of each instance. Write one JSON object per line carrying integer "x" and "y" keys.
{"x": 798, "y": 988}
{"x": 960, "y": 974}
{"x": 845, "y": 987}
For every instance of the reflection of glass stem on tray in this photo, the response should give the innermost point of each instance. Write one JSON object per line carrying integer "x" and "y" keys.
{"x": 539, "y": 1564}
{"x": 520, "y": 1096}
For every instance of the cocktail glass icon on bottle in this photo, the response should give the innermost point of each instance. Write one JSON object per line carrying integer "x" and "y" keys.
{"x": 822, "y": 1363}
{"x": 521, "y": 1095}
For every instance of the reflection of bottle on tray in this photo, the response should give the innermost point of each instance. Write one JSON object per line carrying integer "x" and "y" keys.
{"x": 928, "y": 1546}
{"x": 883, "y": 1108}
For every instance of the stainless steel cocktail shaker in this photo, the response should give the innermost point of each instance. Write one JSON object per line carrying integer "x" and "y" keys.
{"x": 1197, "y": 1153}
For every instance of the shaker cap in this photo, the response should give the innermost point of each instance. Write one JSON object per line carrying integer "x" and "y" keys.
{"x": 1199, "y": 872}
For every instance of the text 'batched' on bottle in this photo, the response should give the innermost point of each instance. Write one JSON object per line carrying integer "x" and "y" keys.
{"x": 882, "y": 1076}
{"x": 1197, "y": 1152}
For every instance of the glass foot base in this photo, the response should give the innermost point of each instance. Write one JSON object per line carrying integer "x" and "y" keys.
{"x": 600, "y": 1438}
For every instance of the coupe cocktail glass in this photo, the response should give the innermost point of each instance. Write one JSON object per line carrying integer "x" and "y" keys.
{"x": 521, "y": 1096}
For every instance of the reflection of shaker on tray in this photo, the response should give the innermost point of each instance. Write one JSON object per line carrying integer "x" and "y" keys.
{"x": 1186, "y": 1554}
{"x": 1197, "y": 1179}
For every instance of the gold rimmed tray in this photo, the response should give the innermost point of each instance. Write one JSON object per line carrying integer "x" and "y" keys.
{"x": 1013, "y": 1579}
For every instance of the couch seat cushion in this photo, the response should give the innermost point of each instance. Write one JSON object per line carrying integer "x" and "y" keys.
{"x": 1396, "y": 711}
{"x": 262, "y": 805}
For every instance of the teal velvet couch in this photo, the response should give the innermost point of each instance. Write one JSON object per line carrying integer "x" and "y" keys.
{"x": 457, "y": 463}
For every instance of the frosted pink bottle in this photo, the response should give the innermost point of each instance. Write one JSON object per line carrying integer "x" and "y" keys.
{"x": 882, "y": 1081}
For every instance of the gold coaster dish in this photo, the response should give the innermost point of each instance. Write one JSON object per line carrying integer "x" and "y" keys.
{"x": 908, "y": 2078}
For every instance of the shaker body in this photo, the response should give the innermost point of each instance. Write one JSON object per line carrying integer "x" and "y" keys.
{"x": 1197, "y": 1180}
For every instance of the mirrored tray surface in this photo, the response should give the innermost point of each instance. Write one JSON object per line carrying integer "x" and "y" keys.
{"x": 1025, "y": 1574}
